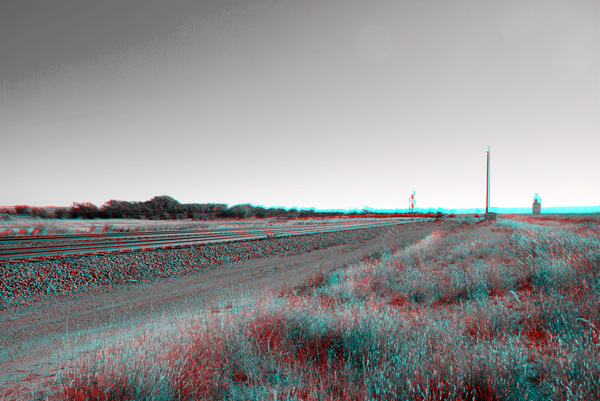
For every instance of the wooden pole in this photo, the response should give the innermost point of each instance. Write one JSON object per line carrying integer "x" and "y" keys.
{"x": 487, "y": 182}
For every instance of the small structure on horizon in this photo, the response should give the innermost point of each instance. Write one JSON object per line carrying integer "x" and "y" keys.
{"x": 537, "y": 204}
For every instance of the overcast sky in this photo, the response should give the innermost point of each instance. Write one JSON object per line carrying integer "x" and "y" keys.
{"x": 325, "y": 104}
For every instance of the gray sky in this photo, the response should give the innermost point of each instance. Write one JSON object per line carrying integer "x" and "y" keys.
{"x": 326, "y": 104}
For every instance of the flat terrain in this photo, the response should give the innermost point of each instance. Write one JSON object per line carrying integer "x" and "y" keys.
{"x": 34, "y": 338}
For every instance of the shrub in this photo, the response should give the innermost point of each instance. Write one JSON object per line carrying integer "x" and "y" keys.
{"x": 39, "y": 212}
{"x": 84, "y": 210}
{"x": 61, "y": 213}
{"x": 22, "y": 209}
{"x": 237, "y": 212}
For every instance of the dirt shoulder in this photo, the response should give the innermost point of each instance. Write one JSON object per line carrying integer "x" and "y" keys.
{"x": 33, "y": 338}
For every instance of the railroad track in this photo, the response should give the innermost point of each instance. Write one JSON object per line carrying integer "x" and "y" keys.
{"x": 111, "y": 242}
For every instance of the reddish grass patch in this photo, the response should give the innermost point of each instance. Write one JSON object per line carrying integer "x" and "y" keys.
{"x": 444, "y": 301}
{"x": 327, "y": 302}
{"x": 496, "y": 291}
{"x": 99, "y": 388}
{"x": 294, "y": 343}
{"x": 481, "y": 388}
{"x": 200, "y": 376}
{"x": 537, "y": 335}
{"x": 525, "y": 284}
{"x": 313, "y": 281}
{"x": 398, "y": 301}
{"x": 479, "y": 330}
{"x": 268, "y": 332}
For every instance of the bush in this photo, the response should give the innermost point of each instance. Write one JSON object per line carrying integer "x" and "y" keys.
{"x": 22, "y": 209}
{"x": 237, "y": 212}
{"x": 39, "y": 212}
{"x": 84, "y": 210}
{"x": 61, "y": 213}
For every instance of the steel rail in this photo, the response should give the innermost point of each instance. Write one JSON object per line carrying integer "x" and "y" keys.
{"x": 104, "y": 247}
{"x": 77, "y": 237}
{"x": 209, "y": 235}
{"x": 35, "y": 252}
{"x": 193, "y": 235}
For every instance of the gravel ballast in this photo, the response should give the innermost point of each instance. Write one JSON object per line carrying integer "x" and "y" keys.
{"x": 27, "y": 282}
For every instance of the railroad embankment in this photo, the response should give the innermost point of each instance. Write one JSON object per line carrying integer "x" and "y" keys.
{"x": 31, "y": 281}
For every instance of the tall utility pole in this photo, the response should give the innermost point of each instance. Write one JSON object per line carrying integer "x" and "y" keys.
{"x": 487, "y": 183}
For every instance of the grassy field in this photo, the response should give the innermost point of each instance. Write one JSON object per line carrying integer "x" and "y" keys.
{"x": 26, "y": 225}
{"x": 503, "y": 311}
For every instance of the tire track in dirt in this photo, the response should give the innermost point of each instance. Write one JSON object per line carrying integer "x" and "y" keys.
{"x": 32, "y": 336}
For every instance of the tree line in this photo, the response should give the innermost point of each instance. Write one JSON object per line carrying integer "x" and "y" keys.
{"x": 166, "y": 208}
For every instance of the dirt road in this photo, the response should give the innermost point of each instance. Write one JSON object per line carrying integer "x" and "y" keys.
{"x": 31, "y": 336}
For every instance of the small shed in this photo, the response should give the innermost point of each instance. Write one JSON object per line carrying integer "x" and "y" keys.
{"x": 537, "y": 204}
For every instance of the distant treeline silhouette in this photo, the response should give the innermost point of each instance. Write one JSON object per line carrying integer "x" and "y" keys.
{"x": 166, "y": 208}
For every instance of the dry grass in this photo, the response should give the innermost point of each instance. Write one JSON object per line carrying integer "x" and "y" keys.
{"x": 478, "y": 312}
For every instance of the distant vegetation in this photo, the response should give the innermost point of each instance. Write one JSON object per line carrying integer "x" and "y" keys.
{"x": 166, "y": 208}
